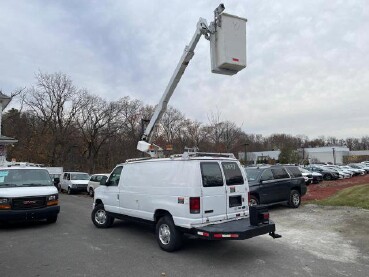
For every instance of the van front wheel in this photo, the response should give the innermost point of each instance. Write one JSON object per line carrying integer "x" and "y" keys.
{"x": 101, "y": 218}
{"x": 168, "y": 237}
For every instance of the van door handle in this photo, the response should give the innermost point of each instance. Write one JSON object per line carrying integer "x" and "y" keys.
{"x": 209, "y": 211}
{"x": 117, "y": 196}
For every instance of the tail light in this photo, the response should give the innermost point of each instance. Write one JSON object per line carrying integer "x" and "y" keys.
{"x": 194, "y": 205}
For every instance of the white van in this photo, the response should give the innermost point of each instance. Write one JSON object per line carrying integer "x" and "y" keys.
{"x": 27, "y": 193}
{"x": 200, "y": 194}
{"x": 74, "y": 182}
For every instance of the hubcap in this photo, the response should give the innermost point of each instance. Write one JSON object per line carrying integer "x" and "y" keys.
{"x": 295, "y": 199}
{"x": 100, "y": 217}
{"x": 164, "y": 234}
{"x": 253, "y": 202}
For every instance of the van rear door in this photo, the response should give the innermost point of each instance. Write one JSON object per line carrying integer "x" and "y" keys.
{"x": 214, "y": 201}
{"x": 235, "y": 190}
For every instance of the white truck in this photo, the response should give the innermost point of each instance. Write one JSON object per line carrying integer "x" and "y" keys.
{"x": 202, "y": 194}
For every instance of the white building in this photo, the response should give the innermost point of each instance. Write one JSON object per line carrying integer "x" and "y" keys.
{"x": 328, "y": 154}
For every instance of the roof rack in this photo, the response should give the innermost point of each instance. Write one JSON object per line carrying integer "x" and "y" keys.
{"x": 187, "y": 155}
{"x": 138, "y": 159}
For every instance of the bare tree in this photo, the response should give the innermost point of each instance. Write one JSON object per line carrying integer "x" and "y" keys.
{"x": 55, "y": 101}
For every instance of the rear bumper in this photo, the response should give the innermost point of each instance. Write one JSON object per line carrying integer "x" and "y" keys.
{"x": 34, "y": 214}
{"x": 234, "y": 230}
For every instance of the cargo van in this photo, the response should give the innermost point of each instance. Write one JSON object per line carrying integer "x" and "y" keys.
{"x": 27, "y": 193}
{"x": 201, "y": 194}
{"x": 72, "y": 182}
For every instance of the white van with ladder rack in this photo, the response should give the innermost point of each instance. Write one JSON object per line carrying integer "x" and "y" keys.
{"x": 202, "y": 194}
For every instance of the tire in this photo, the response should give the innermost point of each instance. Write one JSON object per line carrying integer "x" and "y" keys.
{"x": 167, "y": 236}
{"x": 52, "y": 219}
{"x": 327, "y": 177}
{"x": 69, "y": 191}
{"x": 295, "y": 199}
{"x": 100, "y": 217}
{"x": 91, "y": 192}
{"x": 253, "y": 201}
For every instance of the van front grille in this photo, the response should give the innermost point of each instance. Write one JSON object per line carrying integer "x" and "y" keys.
{"x": 27, "y": 203}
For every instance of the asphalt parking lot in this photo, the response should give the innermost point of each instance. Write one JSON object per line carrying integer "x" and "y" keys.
{"x": 316, "y": 242}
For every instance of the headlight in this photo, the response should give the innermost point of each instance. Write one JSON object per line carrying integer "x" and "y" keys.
{"x": 52, "y": 200}
{"x": 52, "y": 197}
{"x": 5, "y": 204}
{"x": 4, "y": 201}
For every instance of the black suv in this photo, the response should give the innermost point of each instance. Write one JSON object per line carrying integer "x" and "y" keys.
{"x": 276, "y": 184}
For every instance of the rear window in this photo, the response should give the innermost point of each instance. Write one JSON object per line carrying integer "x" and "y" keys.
{"x": 280, "y": 173}
{"x": 211, "y": 175}
{"x": 252, "y": 173}
{"x": 232, "y": 173}
{"x": 294, "y": 171}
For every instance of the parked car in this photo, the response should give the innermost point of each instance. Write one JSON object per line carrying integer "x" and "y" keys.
{"x": 342, "y": 174}
{"x": 362, "y": 168}
{"x": 307, "y": 174}
{"x": 355, "y": 171}
{"x": 27, "y": 193}
{"x": 202, "y": 194}
{"x": 74, "y": 182}
{"x": 326, "y": 172}
{"x": 94, "y": 182}
{"x": 276, "y": 184}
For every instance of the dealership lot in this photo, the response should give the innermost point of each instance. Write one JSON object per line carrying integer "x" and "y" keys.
{"x": 316, "y": 242}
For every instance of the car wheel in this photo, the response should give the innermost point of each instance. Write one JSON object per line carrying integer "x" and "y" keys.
{"x": 91, "y": 192}
{"x": 168, "y": 237}
{"x": 52, "y": 219}
{"x": 101, "y": 218}
{"x": 295, "y": 199}
{"x": 69, "y": 191}
{"x": 253, "y": 201}
{"x": 328, "y": 177}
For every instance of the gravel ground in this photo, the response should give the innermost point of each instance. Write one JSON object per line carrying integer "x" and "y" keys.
{"x": 337, "y": 234}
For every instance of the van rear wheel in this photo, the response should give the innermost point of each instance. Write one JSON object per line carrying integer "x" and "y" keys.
{"x": 168, "y": 237}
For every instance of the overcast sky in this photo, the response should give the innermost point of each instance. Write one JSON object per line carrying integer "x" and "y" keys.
{"x": 307, "y": 71}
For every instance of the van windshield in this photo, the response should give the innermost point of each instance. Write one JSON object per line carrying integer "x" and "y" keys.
{"x": 24, "y": 178}
{"x": 80, "y": 176}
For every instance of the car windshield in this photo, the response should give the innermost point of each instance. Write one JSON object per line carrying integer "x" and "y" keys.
{"x": 252, "y": 173}
{"x": 80, "y": 176}
{"x": 24, "y": 178}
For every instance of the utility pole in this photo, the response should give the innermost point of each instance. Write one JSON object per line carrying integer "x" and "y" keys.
{"x": 334, "y": 155}
{"x": 245, "y": 157}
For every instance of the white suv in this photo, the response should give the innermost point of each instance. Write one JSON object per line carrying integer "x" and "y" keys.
{"x": 200, "y": 194}
{"x": 95, "y": 181}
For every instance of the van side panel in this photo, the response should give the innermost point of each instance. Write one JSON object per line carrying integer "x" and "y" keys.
{"x": 165, "y": 185}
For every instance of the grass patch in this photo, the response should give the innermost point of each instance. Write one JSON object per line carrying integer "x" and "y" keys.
{"x": 357, "y": 196}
